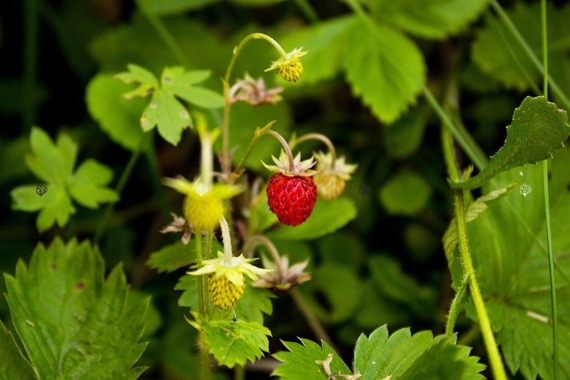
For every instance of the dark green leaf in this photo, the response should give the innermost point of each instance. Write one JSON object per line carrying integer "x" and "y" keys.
{"x": 253, "y": 304}
{"x": 385, "y": 69}
{"x": 326, "y": 218}
{"x": 404, "y": 137}
{"x": 68, "y": 331}
{"x": 172, "y": 257}
{"x": 406, "y": 193}
{"x": 538, "y": 129}
{"x": 166, "y": 7}
{"x": 305, "y": 361}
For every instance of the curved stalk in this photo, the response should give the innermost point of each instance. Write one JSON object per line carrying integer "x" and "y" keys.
{"x": 320, "y": 137}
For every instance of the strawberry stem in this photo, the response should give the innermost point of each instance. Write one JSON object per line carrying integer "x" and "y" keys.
{"x": 256, "y": 240}
{"x": 226, "y": 238}
{"x": 320, "y": 137}
{"x": 285, "y": 145}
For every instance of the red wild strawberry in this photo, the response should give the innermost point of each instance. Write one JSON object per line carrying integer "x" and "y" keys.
{"x": 291, "y": 198}
{"x": 291, "y": 192}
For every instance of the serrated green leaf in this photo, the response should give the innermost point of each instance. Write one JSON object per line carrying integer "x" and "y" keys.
{"x": 68, "y": 330}
{"x": 179, "y": 82}
{"x": 406, "y": 193}
{"x": 325, "y": 39}
{"x": 433, "y": 19}
{"x": 418, "y": 356}
{"x": 326, "y": 218}
{"x": 253, "y": 304}
{"x": 236, "y": 342}
{"x": 301, "y": 361}
{"x": 86, "y": 185}
{"x": 508, "y": 245}
{"x": 13, "y": 364}
{"x": 51, "y": 162}
{"x": 168, "y": 114}
{"x": 137, "y": 74}
{"x": 538, "y": 129}
{"x": 117, "y": 117}
{"x": 385, "y": 69}
{"x": 339, "y": 286}
{"x": 172, "y": 257}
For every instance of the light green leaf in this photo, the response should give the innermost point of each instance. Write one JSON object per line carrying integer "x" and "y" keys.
{"x": 86, "y": 184}
{"x": 538, "y": 129}
{"x": 137, "y": 74}
{"x": 433, "y": 19}
{"x": 13, "y": 364}
{"x": 179, "y": 82}
{"x": 385, "y": 69}
{"x": 236, "y": 342}
{"x": 418, "y": 356}
{"x": 508, "y": 245}
{"x": 117, "y": 117}
{"x": 54, "y": 164}
{"x": 67, "y": 331}
{"x": 326, "y": 218}
{"x": 172, "y": 257}
{"x": 168, "y": 114}
{"x": 406, "y": 193}
{"x": 253, "y": 304}
{"x": 340, "y": 286}
{"x": 326, "y": 43}
{"x": 166, "y": 7}
{"x": 305, "y": 361}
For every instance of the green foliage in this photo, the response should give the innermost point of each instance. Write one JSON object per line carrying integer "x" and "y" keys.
{"x": 164, "y": 110}
{"x": 538, "y": 129}
{"x": 68, "y": 315}
{"x": 172, "y": 257}
{"x": 14, "y": 364}
{"x": 53, "y": 164}
{"x": 234, "y": 342}
{"x": 406, "y": 193}
{"x": 381, "y": 356}
{"x": 434, "y": 19}
{"x": 404, "y": 137}
{"x": 509, "y": 249}
{"x": 326, "y": 218}
{"x": 166, "y": 7}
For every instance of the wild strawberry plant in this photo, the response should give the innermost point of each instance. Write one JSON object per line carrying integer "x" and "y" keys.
{"x": 288, "y": 219}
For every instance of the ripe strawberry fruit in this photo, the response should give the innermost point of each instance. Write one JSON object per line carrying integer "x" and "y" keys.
{"x": 291, "y": 192}
{"x": 291, "y": 198}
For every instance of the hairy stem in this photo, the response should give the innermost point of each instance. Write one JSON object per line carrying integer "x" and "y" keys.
{"x": 320, "y": 137}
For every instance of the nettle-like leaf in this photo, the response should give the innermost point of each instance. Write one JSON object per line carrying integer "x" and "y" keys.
{"x": 539, "y": 128}
{"x": 326, "y": 218}
{"x": 117, "y": 116}
{"x": 165, "y": 111}
{"x": 53, "y": 164}
{"x": 73, "y": 323}
{"x": 497, "y": 53}
{"x": 382, "y": 356}
{"x": 234, "y": 342}
{"x": 508, "y": 245}
{"x": 386, "y": 69}
{"x": 433, "y": 19}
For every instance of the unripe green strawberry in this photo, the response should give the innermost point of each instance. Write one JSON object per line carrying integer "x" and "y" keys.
{"x": 332, "y": 175}
{"x": 291, "y": 198}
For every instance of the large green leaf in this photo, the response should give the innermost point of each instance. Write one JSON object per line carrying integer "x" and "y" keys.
{"x": 538, "y": 129}
{"x": 385, "y": 68}
{"x": 508, "y": 244}
{"x": 54, "y": 163}
{"x": 326, "y": 218}
{"x": 74, "y": 323}
{"x": 429, "y": 18}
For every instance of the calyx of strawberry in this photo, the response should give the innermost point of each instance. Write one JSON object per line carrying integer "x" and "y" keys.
{"x": 291, "y": 168}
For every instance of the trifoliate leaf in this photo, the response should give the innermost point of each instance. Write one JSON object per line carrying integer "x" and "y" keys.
{"x": 117, "y": 117}
{"x": 406, "y": 193}
{"x": 325, "y": 39}
{"x": 14, "y": 365}
{"x": 309, "y": 361}
{"x": 236, "y": 342}
{"x": 326, "y": 218}
{"x": 428, "y": 18}
{"x": 508, "y": 245}
{"x": 386, "y": 69}
{"x": 418, "y": 356}
{"x": 172, "y": 257}
{"x": 74, "y": 323}
{"x": 538, "y": 129}
{"x": 164, "y": 110}
{"x": 54, "y": 164}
